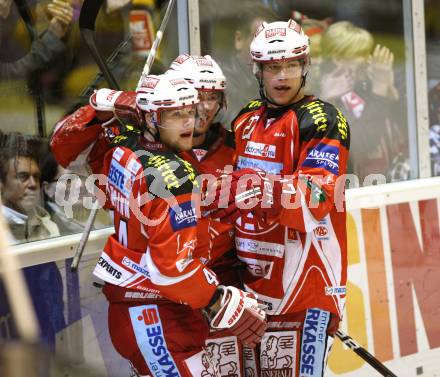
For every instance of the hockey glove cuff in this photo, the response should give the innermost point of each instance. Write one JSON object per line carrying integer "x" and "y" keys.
{"x": 239, "y": 312}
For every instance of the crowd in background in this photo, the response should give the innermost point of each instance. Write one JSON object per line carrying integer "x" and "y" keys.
{"x": 44, "y": 66}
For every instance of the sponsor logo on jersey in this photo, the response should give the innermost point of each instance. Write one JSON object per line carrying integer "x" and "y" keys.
{"x": 136, "y": 267}
{"x": 323, "y": 156}
{"x": 199, "y": 153}
{"x": 183, "y": 216}
{"x": 313, "y": 342}
{"x": 118, "y": 153}
{"x": 134, "y": 295}
{"x": 119, "y": 202}
{"x": 260, "y": 149}
{"x": 267, "y": 166}
{"x": 120, "y": 178}
{"x": 106, "y": 265}
{"x": 292, "y": 235}
{"x": 317, "y": 112}
{"x": 257, "y": 267}
{"x": 336, "y": 291}
{"x": 259, "y": 247}
{"x": 278, "y": 354}
{"x": 133, "y": 166}
{"x": 151, "y": 341}
{"x": 279, "y": 134}
{"x": 321, "y": 231}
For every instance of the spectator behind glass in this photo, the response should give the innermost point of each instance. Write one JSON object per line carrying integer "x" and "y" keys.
{"x": 237, "y": 66}
{"x": 360, "y": 80}
{"x": 28, "y": 221}
{"x": 21, "y": 195}
{"x": 51, "y": 173}
{"x": 434, "y": 129}
{"x": 43, "y": 49}
{"x": 314, "y": 29}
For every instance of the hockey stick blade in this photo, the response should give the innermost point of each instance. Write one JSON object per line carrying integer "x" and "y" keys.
{"x": 364, "y": 354}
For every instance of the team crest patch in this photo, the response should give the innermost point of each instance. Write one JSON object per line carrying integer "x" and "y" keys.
{"x": 278, "y": 354}
{"x": 250, "y": 360}
{"x": 224, "y": 355}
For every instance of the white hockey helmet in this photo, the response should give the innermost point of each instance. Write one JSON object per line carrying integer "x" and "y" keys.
{"x": 279, "y": 40}
{"x": 202, "y": 71}
{"x": 164, "y": 92}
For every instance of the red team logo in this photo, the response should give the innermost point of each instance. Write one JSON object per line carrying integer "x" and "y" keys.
{"x": 321, "y": 231}
{"x": 182, "y": 58}
{"x": 274, "y": 32}
{"x": 149, "y": 82}
{"x": 149, "y": 316}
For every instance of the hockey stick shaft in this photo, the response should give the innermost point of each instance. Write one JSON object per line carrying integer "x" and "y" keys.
{"x": 156, "y": 43}
{"x": 88, "y": 90}
{"x": 364, "y": 354}
{"x": 87, "y": 18}
{"x": 26, "y": 15}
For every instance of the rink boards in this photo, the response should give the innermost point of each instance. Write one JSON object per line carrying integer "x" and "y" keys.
{"x": 393, "y": 305}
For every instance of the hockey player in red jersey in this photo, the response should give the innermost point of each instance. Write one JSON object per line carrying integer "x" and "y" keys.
{"x": 213, "y": 153}
{"x": 213, "y": 149}
{"x": 290, "y": 229}
{"x": 153, "y": 267}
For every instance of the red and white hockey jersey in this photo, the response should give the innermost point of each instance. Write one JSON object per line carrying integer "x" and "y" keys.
{"x": 299, "y": 261}
{"x": 213, "y": 157}
{"x": 159, "y": 247}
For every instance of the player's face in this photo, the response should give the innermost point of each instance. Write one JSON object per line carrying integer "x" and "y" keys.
{"x": 176, "y": 128}
{"x": 206, "y": 109}
{"x": 282, "y": 80}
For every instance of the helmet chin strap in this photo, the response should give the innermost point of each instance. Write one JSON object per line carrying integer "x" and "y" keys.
{"x": 267, "y": 99}
{"x": 156, "y": 126}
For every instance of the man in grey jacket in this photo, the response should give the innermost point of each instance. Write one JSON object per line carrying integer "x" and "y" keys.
{"x": 43, "y": 49}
